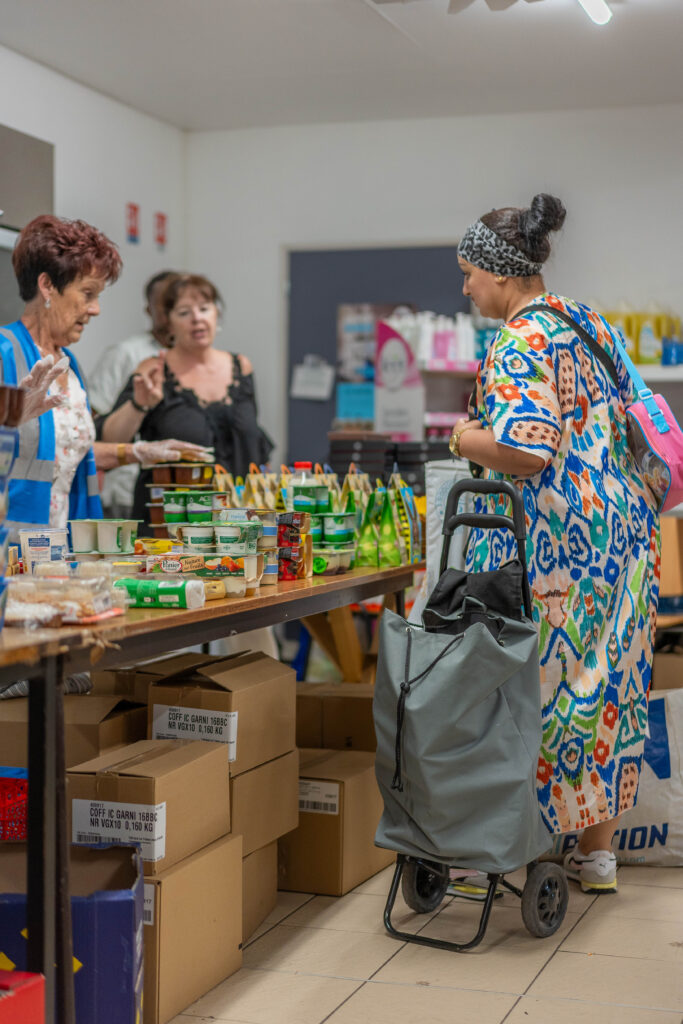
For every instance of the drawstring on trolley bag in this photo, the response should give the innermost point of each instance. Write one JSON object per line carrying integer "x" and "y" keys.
{"x": 397, "y": 781}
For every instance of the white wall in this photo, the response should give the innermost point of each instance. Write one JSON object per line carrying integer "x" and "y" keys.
{"x": 106, "y": 154}
{"x": 252, "y": 193}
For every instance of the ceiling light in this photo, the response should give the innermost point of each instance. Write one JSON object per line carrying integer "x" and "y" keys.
{"x": 597, "y": 11}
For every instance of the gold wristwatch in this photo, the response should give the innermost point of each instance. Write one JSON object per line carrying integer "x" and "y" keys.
{"x": 454, "y": 443}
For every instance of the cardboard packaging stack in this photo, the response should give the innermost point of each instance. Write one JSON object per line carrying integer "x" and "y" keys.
{"x": 92, "y": 725}
{"x": 247, "y": 703}
{"x": 174, "y": 799}
{"x": 335, "y": 716}
{"x": 333, "y": 849}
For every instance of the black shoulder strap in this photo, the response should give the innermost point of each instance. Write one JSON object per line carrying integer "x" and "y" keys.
{"x": 597, "y": 350}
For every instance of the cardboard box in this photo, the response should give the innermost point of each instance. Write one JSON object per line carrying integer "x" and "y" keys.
{"x": 253, "y": 700}
{"x": 265, "y": 801}
{"x": 333, "y": 849}
{"x": 133, "y": 681}
{"x": 92, "y": 725}
{"x": 106, "y": 909}
{"x": 22, "y": 998}
{"x": 259, "y": 888}
{"x": 193, "y": 928}
{"x": 172, "y": 797}
{"x": 667, "y": 670}
{"x": 671, "y": 578}
{"x": 335, "y": 716}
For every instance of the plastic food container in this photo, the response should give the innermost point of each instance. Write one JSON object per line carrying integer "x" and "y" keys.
{"x": 270, "y": 563}
{"x": 42, "y": 544}
{"x": 162, "y": 474}
{"x": 316, "y": 530}
{"x": 221, "y": 500}
{"x": 83, "y": 534}
{"x": 199, "y": 506}
{"x": 175, "y": 506}
{"x": 339, "y": 528}
{"x": 155, "y": 512}
{"x": 330, "y": 561}
{"x": 197, "y": 536}
{"x": 195, "y": 473}
{"x": 237, "y": 538}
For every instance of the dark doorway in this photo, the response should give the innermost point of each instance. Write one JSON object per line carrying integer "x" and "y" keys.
{"x": 319, "y": 281}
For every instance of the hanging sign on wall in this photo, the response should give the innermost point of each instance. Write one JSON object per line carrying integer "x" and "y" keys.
{"x": 160, "y": 229}
{"x": 132, "y": 222}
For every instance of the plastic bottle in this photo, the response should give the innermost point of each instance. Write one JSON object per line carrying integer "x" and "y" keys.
{"x": 650, "y": 337}
{"x": 302, "y": 492}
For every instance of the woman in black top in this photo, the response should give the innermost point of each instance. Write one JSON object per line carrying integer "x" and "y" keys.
{"x": 193, "y": 392}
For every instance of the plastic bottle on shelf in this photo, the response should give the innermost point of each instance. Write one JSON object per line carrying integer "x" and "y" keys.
{"x": 650, "y": 335}
{"x": 465, "y": 332}
{"x": 624, "y": 319}
{"x": 302, "y": 491}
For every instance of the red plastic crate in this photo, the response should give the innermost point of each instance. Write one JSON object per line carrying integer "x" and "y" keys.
{"x": 13, "y": 808}
{"x": 22, "y": 998}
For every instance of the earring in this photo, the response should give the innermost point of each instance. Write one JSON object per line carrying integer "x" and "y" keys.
{"x": 47, "y": 303}
{"x": 500, "y": 279}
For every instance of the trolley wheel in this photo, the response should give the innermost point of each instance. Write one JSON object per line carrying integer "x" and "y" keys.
{"x": 544, "y": 899}
{"x": 423, "y": 885}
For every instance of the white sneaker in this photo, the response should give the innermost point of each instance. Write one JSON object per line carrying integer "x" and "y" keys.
{"x": 596, "y": 872}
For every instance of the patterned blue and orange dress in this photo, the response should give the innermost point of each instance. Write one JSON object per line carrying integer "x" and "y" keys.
{"x": 593, "y": 555}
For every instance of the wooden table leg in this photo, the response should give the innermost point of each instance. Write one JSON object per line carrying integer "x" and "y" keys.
{"x": 66, "y": 1007}
{"x": 321, "y": 631}
{"x": 347, "y": 643}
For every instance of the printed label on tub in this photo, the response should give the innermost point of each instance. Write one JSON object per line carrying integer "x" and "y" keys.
{"x": 175, "y": 723}
{"x": 95, "y": 820}
{"x": 318, "y": 796}
{"x": 148, "y": 908}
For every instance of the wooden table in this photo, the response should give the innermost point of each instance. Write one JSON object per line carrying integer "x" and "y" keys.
{"x": 46, "y": 656}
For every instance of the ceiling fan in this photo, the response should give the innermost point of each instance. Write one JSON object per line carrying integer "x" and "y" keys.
{"x": 597, "y": 10}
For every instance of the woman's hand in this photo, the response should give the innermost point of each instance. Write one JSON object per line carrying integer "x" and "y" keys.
{"x": 148, "y": 382}
{"x": 170, "y": 450}
{"x": 463, "y": 424}
{"x": 36, "y": 385}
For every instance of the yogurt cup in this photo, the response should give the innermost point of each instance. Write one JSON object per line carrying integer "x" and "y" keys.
{"x": 199, "y": 506}
{"x": 129, "y": 534}
{"x": 237, "y": 538}
{"x": 192, "y": 474}
{"x": 198, "y": 536}
{"x": 268, "y": 539}
{"x": 175, "y": 506}
{"x": 269, "y": 567}
{"x": 339, "y": 528}
{"x": 316, "y": 530}
{"x": 110, "y": 535}
{"x": 221, "y": 499}
{"x": 83, "y": 534}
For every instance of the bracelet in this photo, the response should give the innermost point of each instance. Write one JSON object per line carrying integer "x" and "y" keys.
{"x": 140, "y": 408}
{"x": 122, "y": 454}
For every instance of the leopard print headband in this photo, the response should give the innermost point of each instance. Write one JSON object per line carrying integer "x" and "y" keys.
{"x": 483, "y": 248}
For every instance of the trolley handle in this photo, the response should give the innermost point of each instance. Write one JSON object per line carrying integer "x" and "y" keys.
{"x": 486, "y": 487}
{"x": 483, "y": 522}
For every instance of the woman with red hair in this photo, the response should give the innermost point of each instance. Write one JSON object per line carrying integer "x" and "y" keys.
{"x": 61, "y": 266}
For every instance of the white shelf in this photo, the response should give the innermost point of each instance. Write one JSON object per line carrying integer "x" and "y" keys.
{"x": 656, "y": 374}
{"x": 652, "y": 372}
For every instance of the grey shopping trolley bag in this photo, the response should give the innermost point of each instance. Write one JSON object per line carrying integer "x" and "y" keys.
{"x": 457, "y": 713}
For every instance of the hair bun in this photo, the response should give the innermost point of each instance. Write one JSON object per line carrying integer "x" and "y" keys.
{"x": 546, "y": 214}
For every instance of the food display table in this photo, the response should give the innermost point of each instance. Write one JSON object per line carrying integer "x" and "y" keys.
{"x": 46, "y": 656}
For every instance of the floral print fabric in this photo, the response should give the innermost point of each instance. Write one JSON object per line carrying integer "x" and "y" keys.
{"x": 74, "y": 437}
{"x": 592, "y": 555}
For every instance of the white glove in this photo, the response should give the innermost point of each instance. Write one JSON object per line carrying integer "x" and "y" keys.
{"x": 36, "y": 385}
{"x": 169, "y": 450}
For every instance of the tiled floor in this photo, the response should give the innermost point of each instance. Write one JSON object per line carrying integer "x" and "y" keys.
{"x": 615, "y": 960}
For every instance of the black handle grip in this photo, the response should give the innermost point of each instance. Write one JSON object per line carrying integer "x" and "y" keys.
{"x": 482, "y": 522}
{"x": 486, "y": 487}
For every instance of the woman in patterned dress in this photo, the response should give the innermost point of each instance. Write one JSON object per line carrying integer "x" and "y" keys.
{"x": 548, "y": 416}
